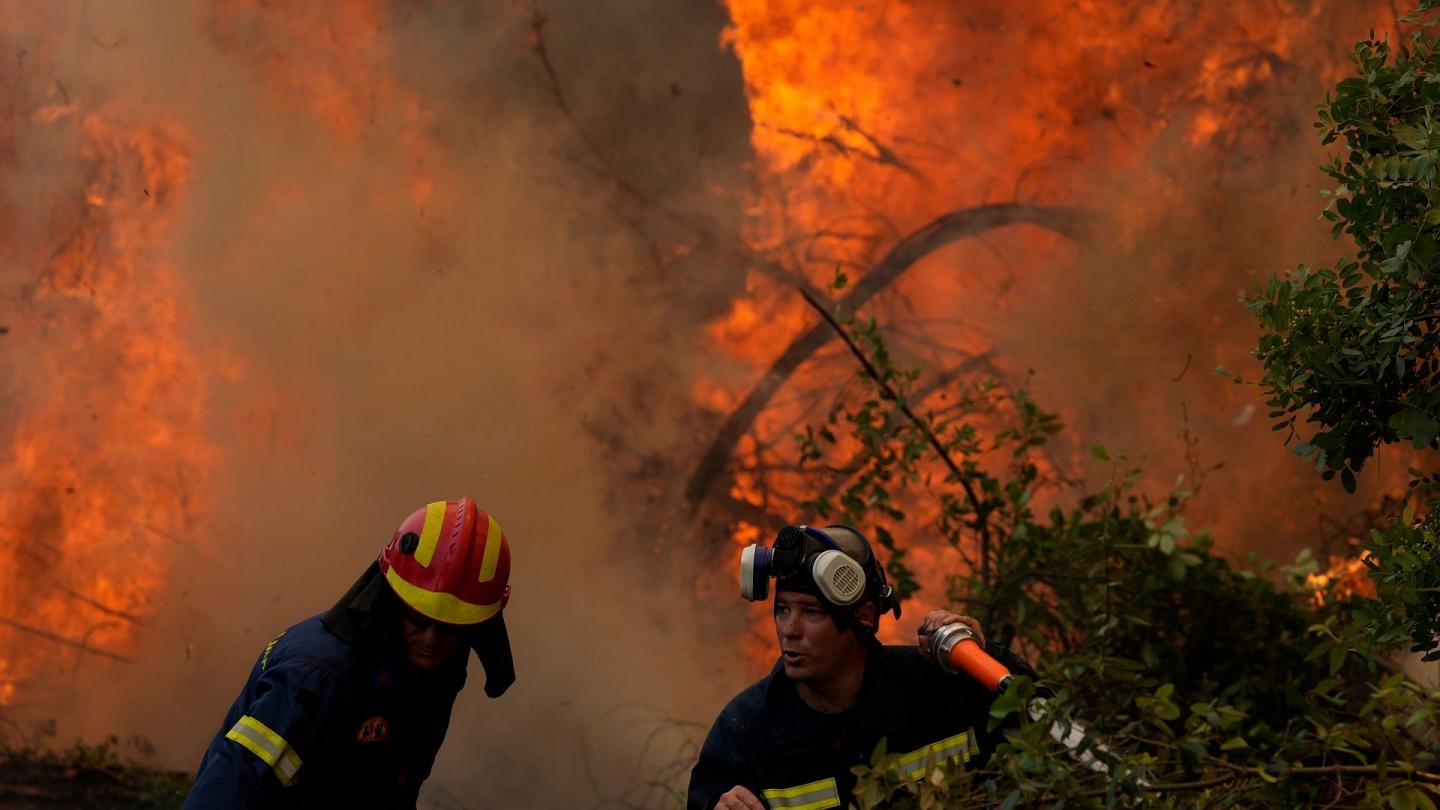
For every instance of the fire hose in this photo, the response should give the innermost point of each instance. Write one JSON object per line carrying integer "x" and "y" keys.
{"x": 955, "y": 649}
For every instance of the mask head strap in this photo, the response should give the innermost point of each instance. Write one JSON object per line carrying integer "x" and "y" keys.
{"x": 790, "y": 557}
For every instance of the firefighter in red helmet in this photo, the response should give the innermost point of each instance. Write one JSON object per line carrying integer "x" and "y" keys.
{"x": 348, "y": 708}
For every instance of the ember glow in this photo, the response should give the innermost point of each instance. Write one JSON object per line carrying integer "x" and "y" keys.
{"x": 1170, "y": 122}
{"x": 1346, "y": 577}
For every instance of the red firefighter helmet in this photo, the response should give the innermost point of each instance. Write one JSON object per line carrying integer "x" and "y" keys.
{"x": 449, "y": 561}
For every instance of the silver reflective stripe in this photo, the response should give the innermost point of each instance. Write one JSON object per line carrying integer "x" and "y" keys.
{"x": 811, "y": 796}
{"x": 287, "y": 767}
{"x": 917, "y": 763}
{"x": 271, "y": 748}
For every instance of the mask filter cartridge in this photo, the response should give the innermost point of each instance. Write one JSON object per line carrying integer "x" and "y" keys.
{"x": 839, "y": 578}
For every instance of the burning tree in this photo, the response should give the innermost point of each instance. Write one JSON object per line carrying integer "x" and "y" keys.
{"x": 1085, "y": 209}
{"x": 1214, "y": 683}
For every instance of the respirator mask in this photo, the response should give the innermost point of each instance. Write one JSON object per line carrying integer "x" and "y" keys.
{"x": 840, "y": 579}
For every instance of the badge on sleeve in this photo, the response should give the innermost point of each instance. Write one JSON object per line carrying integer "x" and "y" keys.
{"x": 373, "y": 730}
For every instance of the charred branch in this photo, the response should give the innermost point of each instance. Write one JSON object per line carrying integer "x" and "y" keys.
{"x": 846, "y": 472}
{"x": 884, "y": 155}
{"x": 98, "y": 605}
{"x": 888, "y": 392}
{"x": 82, "y": 646}
{"x": 600, "y": 164}
{"x": 700, "y": 228}
{"x": 877, "y": 153}
{"x": 1070, "y": 222}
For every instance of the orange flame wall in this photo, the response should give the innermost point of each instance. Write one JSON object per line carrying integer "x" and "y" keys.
{"x": 1183, "y": 126}
{"x": 107, "y": 466}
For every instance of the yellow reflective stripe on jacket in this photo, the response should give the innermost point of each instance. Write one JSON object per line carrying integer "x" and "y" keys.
{"x": 270, "y": 747}
{"x": 812, "y": 796}
{"x": 918, "y": 762}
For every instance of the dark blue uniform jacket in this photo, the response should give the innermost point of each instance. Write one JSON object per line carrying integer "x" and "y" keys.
{"x": 792, "y": 756}
{"x": 323, "y": 723}
{"x": 334, "y": 715}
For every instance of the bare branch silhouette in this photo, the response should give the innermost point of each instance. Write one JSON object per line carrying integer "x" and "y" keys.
{"x": 1068, "y": 221}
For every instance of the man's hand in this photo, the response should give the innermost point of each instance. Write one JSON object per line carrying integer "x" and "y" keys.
{"x": 936, "y": 619}
{"x": 738, "y": 798}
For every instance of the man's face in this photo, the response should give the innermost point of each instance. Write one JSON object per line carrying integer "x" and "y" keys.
{"x": 430, "y": 644}
{"x": 812, "y": 648}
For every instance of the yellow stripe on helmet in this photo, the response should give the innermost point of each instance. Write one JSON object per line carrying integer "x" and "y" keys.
{"x": 442, "y": 607}
{"x": 430, "y": 533}
{"x": 492, "y": 550}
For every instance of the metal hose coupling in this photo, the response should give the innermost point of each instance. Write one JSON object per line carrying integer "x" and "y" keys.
{"x": 956, "y": 649}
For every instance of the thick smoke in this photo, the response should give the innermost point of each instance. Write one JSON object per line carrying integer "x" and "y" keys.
{"x": 404, "y": 251}
{"x": 424, "y": 257}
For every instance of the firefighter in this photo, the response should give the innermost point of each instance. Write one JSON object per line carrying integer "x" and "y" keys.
{"x": 791, "y": 739}
{"x": 347, "y": 709}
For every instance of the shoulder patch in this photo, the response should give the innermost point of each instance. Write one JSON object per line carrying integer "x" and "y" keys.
{"x": 373, "y": 730}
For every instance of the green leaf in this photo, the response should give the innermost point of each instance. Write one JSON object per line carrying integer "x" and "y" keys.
{"x": 1337, "y": 658}
{"x": 1402, "y": 798}
{"x": 1420, "y": 427}
{"x": 1009, "y": 702}
{"x": 1099, "y": 452}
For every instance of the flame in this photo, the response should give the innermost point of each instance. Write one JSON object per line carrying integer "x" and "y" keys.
{"x": 1346, "y": 577}
{"x": 312, "y": 58}
{"x": 870, "y": 120}
{"x": 109, "y": 465}
{"x": 335, "y": 63}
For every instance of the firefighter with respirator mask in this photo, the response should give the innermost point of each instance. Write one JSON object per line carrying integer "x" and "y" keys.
{"x": 791, "y": 739}
{"x": 348, "y": 709}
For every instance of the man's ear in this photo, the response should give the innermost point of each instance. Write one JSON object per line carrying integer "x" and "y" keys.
{"x": 868, "y": 615}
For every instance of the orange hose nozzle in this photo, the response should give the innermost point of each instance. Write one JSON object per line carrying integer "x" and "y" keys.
{"x": 955, "y": 648}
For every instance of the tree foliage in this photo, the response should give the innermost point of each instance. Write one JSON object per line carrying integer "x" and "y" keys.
{"x": 1354, "y": 349}
{"x": 1211, "y": 684}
